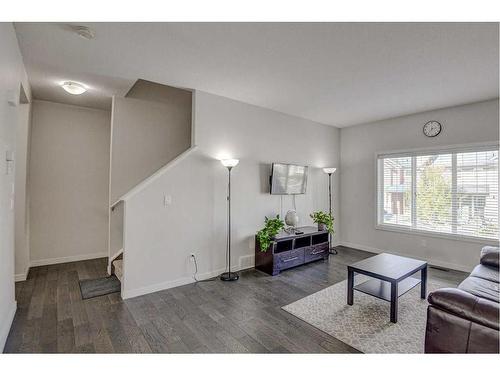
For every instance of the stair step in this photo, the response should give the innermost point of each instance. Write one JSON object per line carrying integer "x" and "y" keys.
{"x": 118, "y": 266}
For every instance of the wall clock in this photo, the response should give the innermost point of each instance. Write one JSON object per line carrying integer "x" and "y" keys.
{"x": 432, "y": 128}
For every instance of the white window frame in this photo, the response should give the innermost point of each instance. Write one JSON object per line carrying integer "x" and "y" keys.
{"x": 379, "y": 225}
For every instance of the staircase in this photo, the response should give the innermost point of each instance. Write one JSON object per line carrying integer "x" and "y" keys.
{"x": 151, "y": 130}
{"x": 118, "y": 269}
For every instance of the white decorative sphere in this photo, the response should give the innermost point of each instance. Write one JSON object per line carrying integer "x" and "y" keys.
{"x": 291, "y": 218}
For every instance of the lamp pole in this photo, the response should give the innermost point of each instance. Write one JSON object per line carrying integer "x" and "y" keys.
{"x": 330, "y": 192}
{"x": 329, "y": 171}
{"x": 229, "y": 276}
{"x": 331, "y": 249}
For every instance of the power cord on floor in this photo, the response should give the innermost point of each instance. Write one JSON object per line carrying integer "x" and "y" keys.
{"x": 196, "y": 272}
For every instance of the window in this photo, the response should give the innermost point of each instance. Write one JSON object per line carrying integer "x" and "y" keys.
{"x": 451, "y": 192}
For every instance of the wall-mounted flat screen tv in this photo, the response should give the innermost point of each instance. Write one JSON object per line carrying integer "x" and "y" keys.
{"x": 288, "y": 179}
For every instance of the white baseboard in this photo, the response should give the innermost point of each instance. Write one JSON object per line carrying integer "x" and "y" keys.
{"x": 5, "y": 324}
{"x": 430, "y": 261}
{"x": 73, "y": 258}
{"x": 164, "y": 285}
{"x": 156, "y": 287}
{"x": 22, "y": 276}
{"x": 245, "y": 262}
{"x": 174, "y": 283}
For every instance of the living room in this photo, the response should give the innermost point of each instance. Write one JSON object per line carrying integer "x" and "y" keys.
{"x": 254, "y": 187}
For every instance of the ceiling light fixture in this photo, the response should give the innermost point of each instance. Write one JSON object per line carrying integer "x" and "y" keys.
{"x": 74, "y": 88}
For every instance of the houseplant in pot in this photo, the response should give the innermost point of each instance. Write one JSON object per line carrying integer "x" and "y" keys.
{"x": 324, "y": 220}
{"x": 271, "y": 228}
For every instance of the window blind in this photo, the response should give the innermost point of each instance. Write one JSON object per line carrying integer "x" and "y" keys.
{"x": 451, "y": 191}
{"x": 397, "y": 187}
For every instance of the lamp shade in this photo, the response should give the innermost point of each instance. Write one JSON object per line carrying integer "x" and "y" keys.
{"x": 329, "y": 170}
{"x": 229, "y": 163}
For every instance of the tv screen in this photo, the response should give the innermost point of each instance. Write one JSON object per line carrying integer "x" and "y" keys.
{"x": 288, "y": 179}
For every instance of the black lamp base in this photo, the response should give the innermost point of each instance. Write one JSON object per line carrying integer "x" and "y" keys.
{"x": 229, "y": 276}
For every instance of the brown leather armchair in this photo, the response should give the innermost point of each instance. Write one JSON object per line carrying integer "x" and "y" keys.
{"x": 466, "y": 319}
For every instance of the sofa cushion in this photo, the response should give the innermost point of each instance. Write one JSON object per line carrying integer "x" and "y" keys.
{"x": 466, "y": 306}
{"x": 487, "y": 273}
{"x": 490, "y": 256}
{"x": 481, "y": 287}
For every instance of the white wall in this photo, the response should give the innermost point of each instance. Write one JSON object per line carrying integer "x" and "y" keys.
{"x": 69, "y": 171}
{"x": 159, "y": 239}
{"x": 461, "y": 125}
{"x": 12, "y": 75}
{"x": 116, "y": 230}
{"x": 21, "y": 211}
{"x": 146, "y": 136}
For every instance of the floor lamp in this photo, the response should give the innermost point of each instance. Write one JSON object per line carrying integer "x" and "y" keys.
{"x": 229, "y": 276}
{"x": 329, "y": 172}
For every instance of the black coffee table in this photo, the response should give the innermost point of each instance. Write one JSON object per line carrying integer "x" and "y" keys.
{"x": 390, "y": 278}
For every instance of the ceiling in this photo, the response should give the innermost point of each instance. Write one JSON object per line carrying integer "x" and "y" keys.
{"x": 339, "y": 74}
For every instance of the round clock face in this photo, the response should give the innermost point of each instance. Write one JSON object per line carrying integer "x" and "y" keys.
{"x": 432, "y": 128}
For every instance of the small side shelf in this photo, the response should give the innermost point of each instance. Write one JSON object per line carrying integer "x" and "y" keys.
{"x": 291, "y": 250}
{"x": 382, "y": 289}
{"x": 302, "y": 242}
{"x": 319, "y": 238}
{"x": 283, "y": 246}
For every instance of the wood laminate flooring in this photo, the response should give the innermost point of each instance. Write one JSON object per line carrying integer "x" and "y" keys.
{"x": 207, "y": 317}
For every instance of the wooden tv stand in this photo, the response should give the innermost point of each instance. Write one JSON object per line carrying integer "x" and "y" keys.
{"x": 291, "y": 250}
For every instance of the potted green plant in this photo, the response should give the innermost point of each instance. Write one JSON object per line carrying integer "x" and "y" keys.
{"x": 271, "y": 228}
{"x": 324, "y": 220}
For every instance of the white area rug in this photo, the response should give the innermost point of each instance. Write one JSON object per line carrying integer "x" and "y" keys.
{"x": 365, "y": 325}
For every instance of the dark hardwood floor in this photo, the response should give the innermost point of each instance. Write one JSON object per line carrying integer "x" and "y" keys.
{"x": 207, "y": 317}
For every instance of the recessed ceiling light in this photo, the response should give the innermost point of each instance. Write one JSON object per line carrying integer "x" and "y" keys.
{"x": 74, "y": 88}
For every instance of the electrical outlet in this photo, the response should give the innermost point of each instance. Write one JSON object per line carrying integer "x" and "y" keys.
{"x": 423, "y": 243}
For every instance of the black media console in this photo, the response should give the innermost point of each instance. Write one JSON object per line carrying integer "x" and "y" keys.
{"x": 290, "y": 250}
